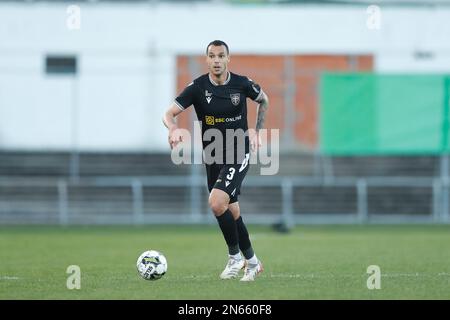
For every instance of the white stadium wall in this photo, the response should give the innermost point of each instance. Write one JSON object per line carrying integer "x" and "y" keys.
{"x": 127, "y": 61}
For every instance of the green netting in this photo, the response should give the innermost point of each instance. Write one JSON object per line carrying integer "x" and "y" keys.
{"x": 384, "y": 114}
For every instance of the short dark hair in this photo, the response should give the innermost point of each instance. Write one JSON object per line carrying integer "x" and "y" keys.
{"x": 217, "y": 43}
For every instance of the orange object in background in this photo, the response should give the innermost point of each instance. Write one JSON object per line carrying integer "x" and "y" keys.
{"x": 276, "y": 74}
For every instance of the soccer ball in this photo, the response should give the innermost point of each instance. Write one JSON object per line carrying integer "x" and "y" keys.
{"x": 151, "y": 265}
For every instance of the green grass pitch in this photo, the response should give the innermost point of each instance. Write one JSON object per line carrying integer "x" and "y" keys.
{"x": 311, "y": 262}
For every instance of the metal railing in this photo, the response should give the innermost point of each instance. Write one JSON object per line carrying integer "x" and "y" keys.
{"x": 137, "y": 203}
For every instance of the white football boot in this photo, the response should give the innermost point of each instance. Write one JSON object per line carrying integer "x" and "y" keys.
{"x": 232, "y": 268}
{"x": 251, "y": 271}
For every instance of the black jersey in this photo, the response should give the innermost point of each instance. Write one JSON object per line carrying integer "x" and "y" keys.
{"x": 221, "y": 106}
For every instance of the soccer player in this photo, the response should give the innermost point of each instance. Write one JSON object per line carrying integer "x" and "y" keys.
{"x": 219, "y": 99}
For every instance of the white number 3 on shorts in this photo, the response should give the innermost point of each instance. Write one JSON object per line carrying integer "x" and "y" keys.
{"x": 231, "y": 175}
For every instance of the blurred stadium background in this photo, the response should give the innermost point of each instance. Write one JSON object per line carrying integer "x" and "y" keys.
{"x": 360, "y": 94}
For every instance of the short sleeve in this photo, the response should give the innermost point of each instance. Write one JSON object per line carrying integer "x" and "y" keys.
{"x": 253, "y": 90}
{"x": 186, "y": 97}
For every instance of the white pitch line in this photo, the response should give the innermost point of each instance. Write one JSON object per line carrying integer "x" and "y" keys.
{"x": 202, "y": 277}
{"x": 388, "y": 275}
{"x": 323, "y": 276}
{"x": 9, "y": 278}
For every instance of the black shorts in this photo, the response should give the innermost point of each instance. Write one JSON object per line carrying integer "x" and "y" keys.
{"x": 227, "y": 177}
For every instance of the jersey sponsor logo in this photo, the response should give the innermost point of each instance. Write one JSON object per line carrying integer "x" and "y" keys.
{"x": 209, "y": 120}
{"x": 235, "y": 98}
{"x": 239, "y": 117}
{"x": 227, "y": 183}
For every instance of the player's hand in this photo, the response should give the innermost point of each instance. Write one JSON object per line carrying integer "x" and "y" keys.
{"x": 255, "y": 141}
{"x": 175, "y": 137}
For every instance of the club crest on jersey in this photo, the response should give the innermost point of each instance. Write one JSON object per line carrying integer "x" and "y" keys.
{"x": 235, "y": 98}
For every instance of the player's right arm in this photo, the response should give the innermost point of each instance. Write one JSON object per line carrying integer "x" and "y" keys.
{"x": 169, "y": 121}
{"x": 181, "y": 103}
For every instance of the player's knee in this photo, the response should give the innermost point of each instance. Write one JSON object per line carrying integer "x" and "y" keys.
{"x": 218, "y": 206}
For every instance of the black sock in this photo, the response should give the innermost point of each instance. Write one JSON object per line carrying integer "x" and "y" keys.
{"x": 244, "y": 239}
{"x": 229, "y": 230}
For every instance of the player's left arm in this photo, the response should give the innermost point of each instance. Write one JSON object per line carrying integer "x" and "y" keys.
{"x": 263, "y": 106}
{"x": 255, "y": 92}
{"x": 261, "y": 111}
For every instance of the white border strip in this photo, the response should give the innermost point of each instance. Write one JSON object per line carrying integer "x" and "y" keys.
{"x": 179, "y": 105}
